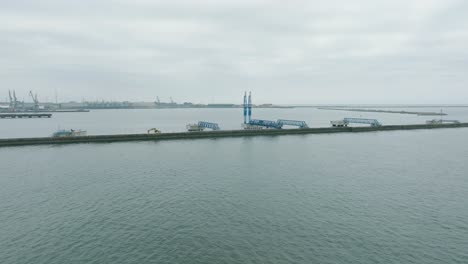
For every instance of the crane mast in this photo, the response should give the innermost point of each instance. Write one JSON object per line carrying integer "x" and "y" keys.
{"x": 245, "y": 108}
{"x": 15, "y": 100}
{"x": 250, "y": 106}
{"x": 34, "y": 98}
{"x": 11, "y": 99}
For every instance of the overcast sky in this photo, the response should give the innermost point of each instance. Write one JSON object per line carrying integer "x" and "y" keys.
{"x": 362, "y": 51}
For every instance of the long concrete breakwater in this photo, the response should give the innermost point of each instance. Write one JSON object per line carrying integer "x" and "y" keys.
{"x": 419, "y": 113}
{"x": 212, "y": 134}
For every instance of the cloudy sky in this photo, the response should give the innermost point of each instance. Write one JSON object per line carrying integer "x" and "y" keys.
{"x": 363, "y": 51}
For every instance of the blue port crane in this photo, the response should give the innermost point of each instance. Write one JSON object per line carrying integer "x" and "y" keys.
{"x": 245, "y": 108}
{"x": 279, "y": 123}
{"x": 250, "y": 106}
{"x": 204, "y": 124}
{"x": 300, "y": 124}
{"x": 265, "y": 123}
{"x": 372, "y": 122}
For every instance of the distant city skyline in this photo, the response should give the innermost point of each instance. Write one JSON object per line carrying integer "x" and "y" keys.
{"x": 296, "y": 52}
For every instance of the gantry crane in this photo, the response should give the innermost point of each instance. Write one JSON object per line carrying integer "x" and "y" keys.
{"x": 11, "y": 100}
{"x": 35, "y": 100}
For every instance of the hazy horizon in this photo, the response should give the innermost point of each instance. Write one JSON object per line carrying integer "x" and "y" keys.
{"x": 299, "y": 52}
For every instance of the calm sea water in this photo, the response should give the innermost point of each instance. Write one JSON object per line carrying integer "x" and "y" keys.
{"x": 383, "y": 197}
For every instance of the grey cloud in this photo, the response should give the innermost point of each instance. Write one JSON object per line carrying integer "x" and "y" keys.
{"x": 297, "y": 52}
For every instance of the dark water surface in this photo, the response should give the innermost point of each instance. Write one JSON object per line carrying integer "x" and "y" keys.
{"x": 384, "y": 197}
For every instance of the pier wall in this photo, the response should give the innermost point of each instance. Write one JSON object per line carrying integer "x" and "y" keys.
{"x": 214, "y": 134}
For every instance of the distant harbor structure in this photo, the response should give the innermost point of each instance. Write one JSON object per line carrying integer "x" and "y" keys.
{"x": 25, "y": 115}
{"x": 16, "y": 106}
{"x": 383, "y": 111}
{"x": 172, "y": 104}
